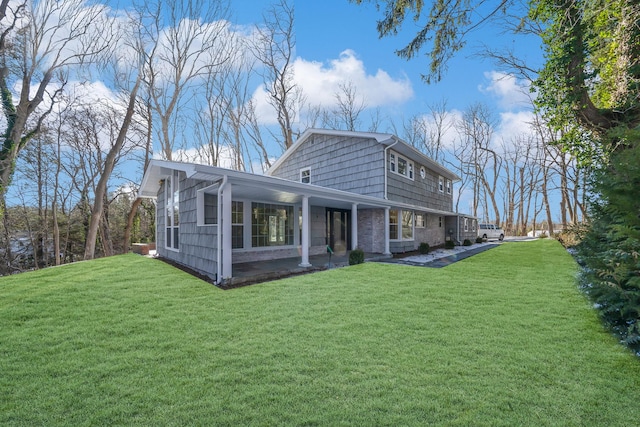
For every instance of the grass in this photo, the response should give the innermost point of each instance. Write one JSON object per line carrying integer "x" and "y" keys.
{"x": 502, "y": 338}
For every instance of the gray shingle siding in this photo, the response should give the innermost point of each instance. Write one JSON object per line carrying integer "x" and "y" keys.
{"x": 344, "y": 163}
{"x": 197, "y": 243}
{"x": 420, "y": 191}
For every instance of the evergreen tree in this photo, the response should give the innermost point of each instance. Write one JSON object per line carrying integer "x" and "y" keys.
{"x": 610, "y": 250}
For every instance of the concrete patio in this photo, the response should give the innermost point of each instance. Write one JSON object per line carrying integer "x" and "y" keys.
{"x": 247, "y": 273}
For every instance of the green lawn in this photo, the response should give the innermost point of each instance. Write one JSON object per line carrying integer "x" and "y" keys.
{"x": 502, "y": 338}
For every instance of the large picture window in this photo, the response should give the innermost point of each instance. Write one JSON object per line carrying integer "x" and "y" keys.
{"x": 400, "y": 225}
{"x": 271, "y": 225}
{"x": 172, "y": 211}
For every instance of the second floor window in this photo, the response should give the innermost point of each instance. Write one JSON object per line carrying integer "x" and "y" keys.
{"x": 400, "y": 165}
{"x": 305, "y": 175}
{"x": 441, "y": 184}
{"x": 448, "y": 186}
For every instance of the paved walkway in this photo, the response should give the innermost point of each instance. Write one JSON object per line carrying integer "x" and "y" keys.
{"x": 441, "y": 261}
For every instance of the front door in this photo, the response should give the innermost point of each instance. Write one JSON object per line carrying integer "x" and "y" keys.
{"x": 338, "y": 229}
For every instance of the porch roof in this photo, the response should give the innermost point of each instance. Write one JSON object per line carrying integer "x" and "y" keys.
{"x": 266, "y": 188}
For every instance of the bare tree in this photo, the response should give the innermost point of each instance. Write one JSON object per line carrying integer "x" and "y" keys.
{"x": 41, "y": 42}
{"x": 349, "y": 106}
{"x": 476, "y": 127}
{"x": 113, "y": 154}
{"x": 185, "y": 41}
{"x": 224, "y": 112}
{"x": 275, "y": 48}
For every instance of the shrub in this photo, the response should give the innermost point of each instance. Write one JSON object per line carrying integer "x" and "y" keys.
{"x": 479, "y": 239}
{"x": 423, "y": 248}
{"x": 449, "y": 244}
{"x": 356, "y": 256}
{"x": 610, "y": 246}
{"x": 467, "y": 242}
{"x": 572, "y": 236}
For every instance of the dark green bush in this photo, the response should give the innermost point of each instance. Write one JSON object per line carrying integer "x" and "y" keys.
{"x": 356, "y": 256}
{"x": 424, "y": 248}
{"x": 467, "y": 242}
{"x": 449, "y": 244}
{"x": 609, "y": 249}
{"x": 479, "y": 239}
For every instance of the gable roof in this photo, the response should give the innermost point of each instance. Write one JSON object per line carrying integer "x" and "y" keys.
{"x": 385, "y": 139}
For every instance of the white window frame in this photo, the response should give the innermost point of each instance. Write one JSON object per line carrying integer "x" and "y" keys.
{"x": 200, "y": 214}
{"x": 466, "y": 224}
{"x": 441, "y": 184}
{"x": 394, "y": 165}
{"x": 399, "y": 235}
{"x": 172, "y": 187}
{"x": 448, "y": 186}
{"x": 305, "y": 175}
{"x": 423, "y": 173}
{"x": 235, "y": 225}
{"x": 398, "y": 224}
{"x": 421, "y": 220}
{"x": 411, "y": 222}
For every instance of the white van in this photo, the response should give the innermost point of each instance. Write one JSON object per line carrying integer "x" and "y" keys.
{"x": 490, "y": 231}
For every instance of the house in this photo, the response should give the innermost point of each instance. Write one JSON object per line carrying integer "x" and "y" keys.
{"x": 340, "y": 189}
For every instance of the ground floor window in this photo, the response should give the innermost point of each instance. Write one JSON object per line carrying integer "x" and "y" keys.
{"x": 393, "y": 224}
{"x": 172, "y": 211}
{"x": 421, "y": 220}
{"x": 237, "y": 225}
{"x": 271, "y": 225}
{"x": 400, "y": 225}
{"x": 407, "y": 225}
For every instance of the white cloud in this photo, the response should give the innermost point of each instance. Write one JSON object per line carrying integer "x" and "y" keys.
{"x": 510, "y": 93}
{"x": 201, "y": 155}
{"x": 321, "y": 82}
{"x": 514, "y": 125}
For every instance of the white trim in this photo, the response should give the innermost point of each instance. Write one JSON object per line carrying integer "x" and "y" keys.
{"x": 306, "y": 233}
{"x": 200, "y": 206}
{"x": 171, "y": 182}
{"x": 409, "y": 165}
{"x": 440, "y": 184}
{"x": 354, "y": 226}
{"x": 302, "y": 171}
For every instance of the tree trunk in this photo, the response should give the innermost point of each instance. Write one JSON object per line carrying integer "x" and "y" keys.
{"x": 101, "y": 188}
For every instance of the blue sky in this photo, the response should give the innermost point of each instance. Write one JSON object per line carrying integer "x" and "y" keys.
{"x": 326, "y": 29}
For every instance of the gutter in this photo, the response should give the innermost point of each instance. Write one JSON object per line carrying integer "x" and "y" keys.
{"x": 386, "y": 169}
{"x": 219, "y": 234}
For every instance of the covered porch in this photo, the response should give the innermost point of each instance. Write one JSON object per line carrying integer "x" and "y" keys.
{"x": 246, "y": 273}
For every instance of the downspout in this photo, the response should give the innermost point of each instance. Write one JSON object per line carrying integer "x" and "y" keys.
{"x": 458, "y": 228}
{"x": 219, "y": 234}
{"x": 386, "y": 166}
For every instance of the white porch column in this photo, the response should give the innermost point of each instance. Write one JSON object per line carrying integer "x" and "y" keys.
{"x": 304, "y": 262}
{"x": 354, "y": 226}
{"x": 386, "y": 232}
{"x": 226, "y": 231}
